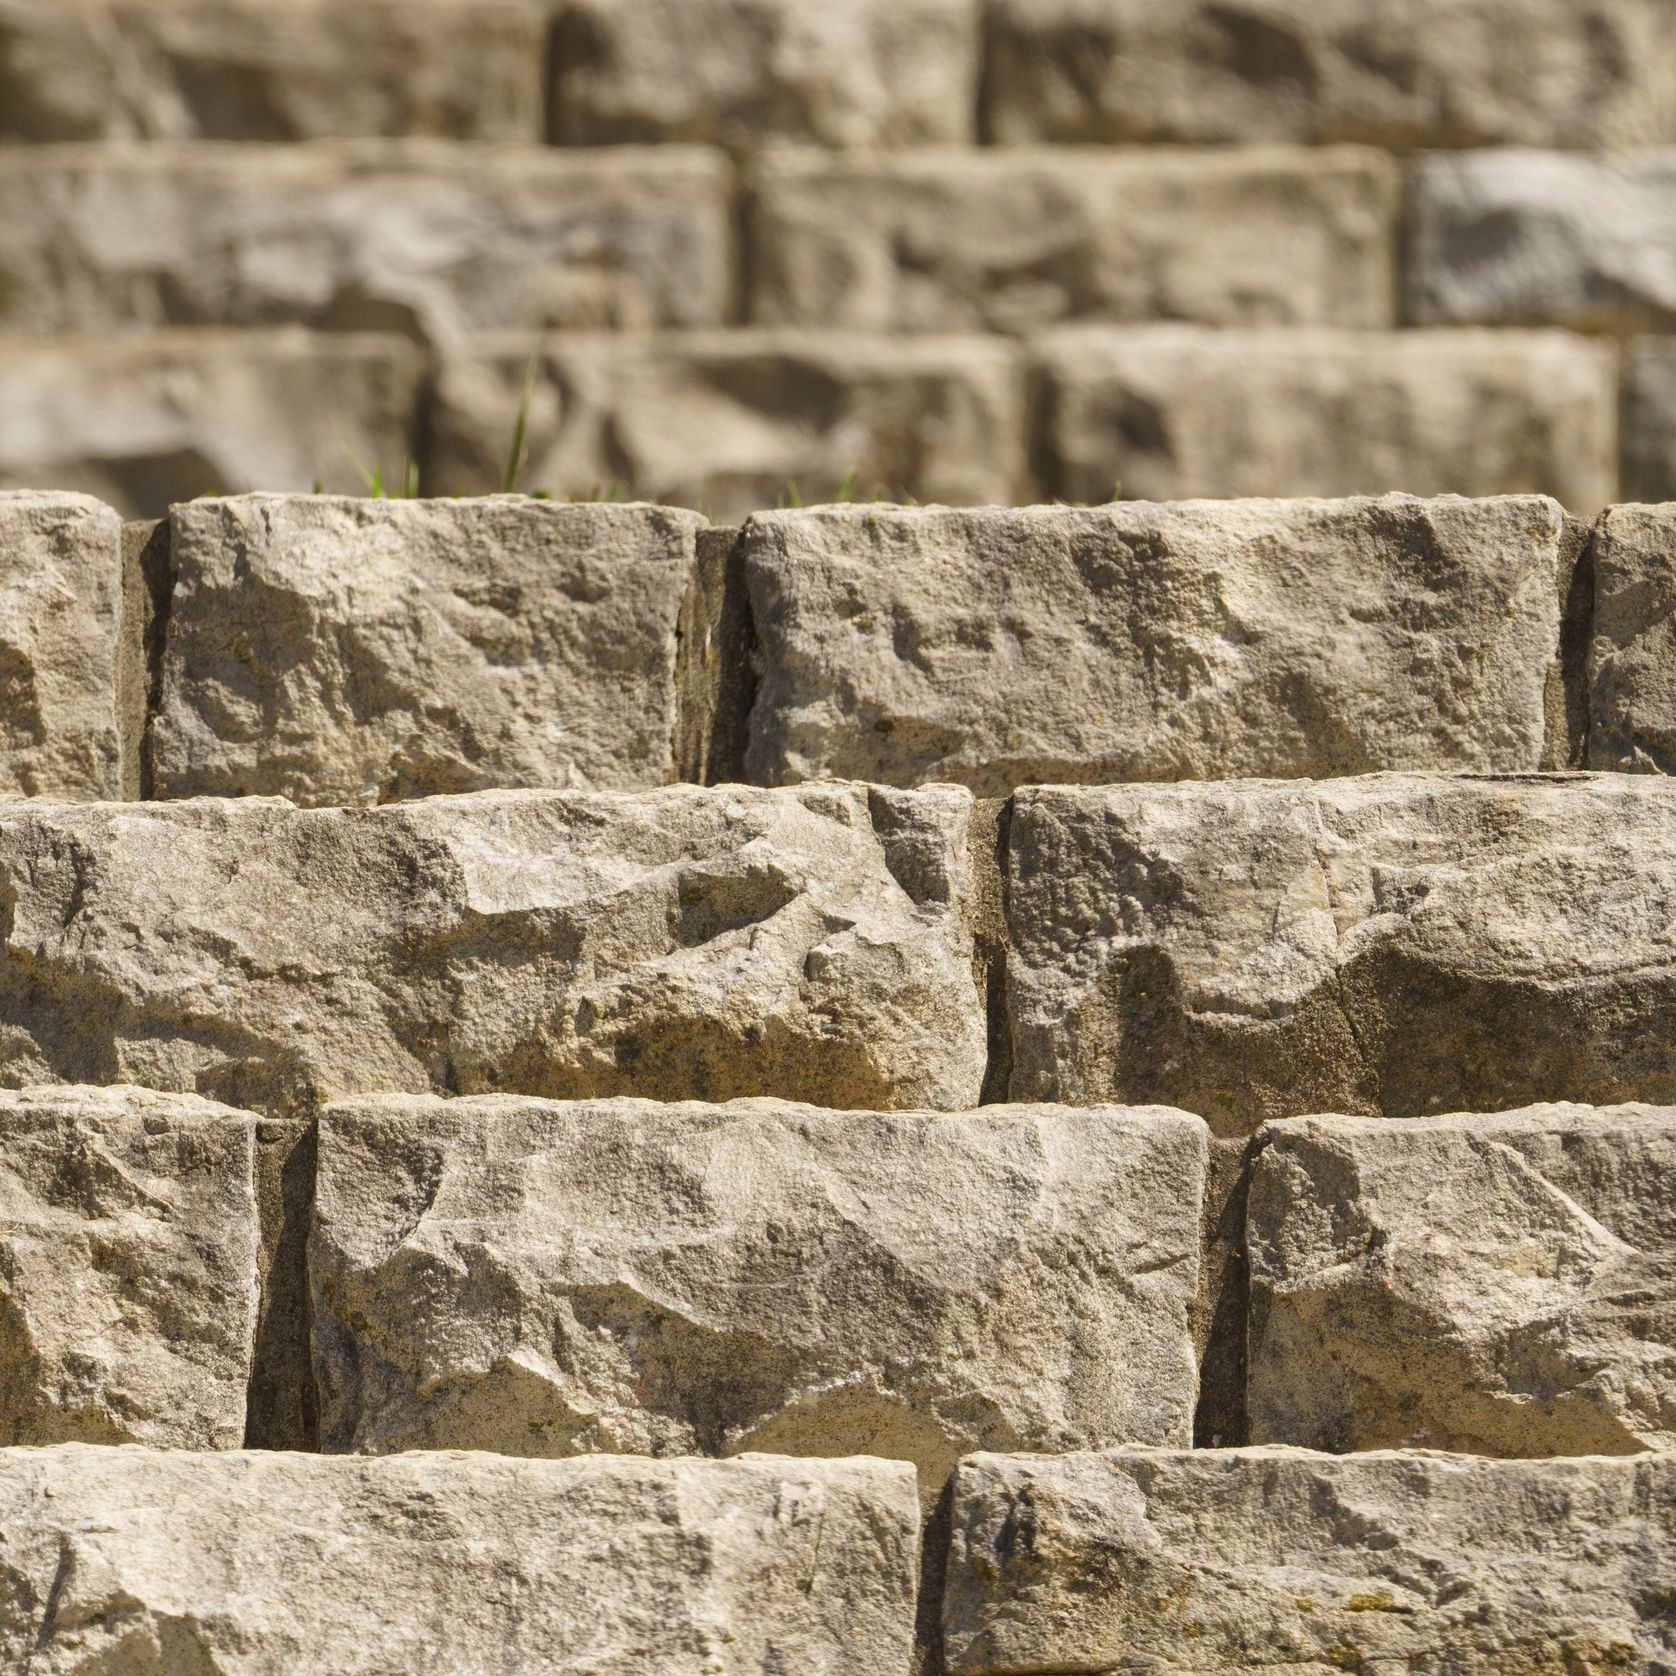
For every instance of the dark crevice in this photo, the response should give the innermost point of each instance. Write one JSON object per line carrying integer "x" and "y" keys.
{"x": 715, "y": 665}
{"x": 1219, "y": 1311}
{"x": 991, "y": 834}
{"x": 282, "y": 1409}
{"x": 742, "y": 274}
{"x": 148, "y": 593}
{"x": 935, "y": 1535}
{"x": 1577, "y": 606}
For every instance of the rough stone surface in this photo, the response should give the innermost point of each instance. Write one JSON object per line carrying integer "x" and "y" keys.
{"x": 1397, "y": 946}
{"x": 947, "y": 240}
{"x": 1649, "y": 451}
{"x": 1388, "y": 72}
{"x": 60, "y": 622}
{"x": 423, "y": 237}
{"x": 1632, "y": 657}
{"x": 254, "y": 70}
{"x": 629, "y": 1277}
{"x": 734, "y": 421}
{"x": 681, "y": 944}
{"x": 1503, "y": 1285}
{"x": 1198, "y": 640}
{"x": 147, "y": 421}
{"x": 1508, "y": 238}
{"x": 135, "y": 1561}
{"x": 359, "y": 651}
{"x": 128, "y": 1283}
{"x": 745, "y": 73}
{"x": 1257, "y": 1559}
{"x": 1171, "y": 412}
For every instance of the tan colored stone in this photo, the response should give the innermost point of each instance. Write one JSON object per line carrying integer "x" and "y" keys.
{"x": 1385, "y": 72}
{"x": 1632, "y": 657}
{"x": 1650, "y": 420}
{"x": 1500, "y": 1284}
{"x": 361, "y": 651}
{"x": 60, "y": 621}
{"x": 681, "y": 944}
{"x": 141, "y": 1562}
{"x": 1173, "y": 412}
{"x": 256, "y": 70}
{"x": 959, "y": 240}
{"x": 1218, "y": 1562}
{"x": 423, "y": 237}
{"x": 734, "y": 421}
{"x": 635, "y": 1278}
{"x": 1199, "y": 640}
{"x": 128, "y": 1285}
{"x": 746, "y": 73}
{"x": 1397, "y": 945}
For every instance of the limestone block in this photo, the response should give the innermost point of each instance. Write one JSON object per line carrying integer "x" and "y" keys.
{"x": 735, "y": 421}
{"x": 149, "y": 420}
{"x": 948, "y": 240}
{"x": 1171, "y": 412}
{"x": 1198, "y": 640}
{"x": 1632, "y": 657}
{"x": 140, "y": 1561}
{"x": 1507, "y": 238}
{"x": 60, "y": 621}
{"x": 1503, "y": 1284}
{"x": 363, "y": 651}
{"x": 1395, "y": 73}
{"x": 681, "y": 944}
{"x": 747, "y": 73}
{"x": 1393, "y": 946}
{"x": 128, "y": 1284}
{"x": 1229, "y": 1561}
{"x": 635, "y": 1278}
{"x": 424, "y": 237}
{"x": 1649, "y": 449}
{"x": 256, "y": 70}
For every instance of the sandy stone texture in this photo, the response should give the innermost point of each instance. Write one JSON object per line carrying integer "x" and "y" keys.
{"x": 1632, "y": 656}
{"x": 1230, "y": 1561}
{"x": 681, "y": 944}
{"x": 60, "y": 622}
{"x": 1502, "y": 1285}
{"x": 1399, "y": 946}
{"x": 1650, "y": 420}
{"x": 136, "y": 1561}
{"x": 338, "y": 651}
{"x": 1197, "y": 640}
{"x": 128, "y": 1268}
{"x": 961, "y": 239}
{"x": 633, "y": 1278}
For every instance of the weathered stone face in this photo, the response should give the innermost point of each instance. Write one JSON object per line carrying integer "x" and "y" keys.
{"x": 1632, "y": 658}
{"x": 1228, "y": 1561}
{"x": 60, "y": 619}
{"x": 1649, "y": 440}
{"x": 1501, "y": 1284}
{"x": 946, "y": 240}
{"x": 1397, "y": 946}
{"x": 353, "y": 651}
{"x": 342, "y": 1567}
{"x": 128, "y": 1284}
{"x": 682, "y": 944}
{"x": 626, "y": 1277}
{"x": 1155, "y": 642}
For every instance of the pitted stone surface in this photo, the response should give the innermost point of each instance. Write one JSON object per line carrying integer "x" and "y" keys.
{"x": 128, "y": 1259}
{"x": 1217, "y": 1562}
{"x": 628, "y": 1277}
{"x": 354, "y": 651}
{"x": 1504, "y": 1285}
{"x": 135, "y": 1561}
{"x": 1632, "y": 658}
{"x": 1394, "y": 946}
{"x": 60, "y": 619}
{"x": 679, "y": 944}
{"x": 1155, "y": 642}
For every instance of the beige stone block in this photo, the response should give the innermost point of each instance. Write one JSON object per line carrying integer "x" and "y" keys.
{"x": 1649, "y": 445}
{"x": 1632, "y": 655}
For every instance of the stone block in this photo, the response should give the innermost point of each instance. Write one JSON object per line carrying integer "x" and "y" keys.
{"x": 1193, "y": 641}
{"x": 1632, "y": 656}
{"x": 1394, "y": 946}
{"x": 1174, "y": 412}
{"x": 1219, "y": 1562}
{"x": 1649, "y": 446}
{"x": 949, "y": 240}
{"x": 128, "y": 1281}
{"x": 681, "y": 944}
{"x": 338, "y": 651}
{"x": 139, "y": 1561}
